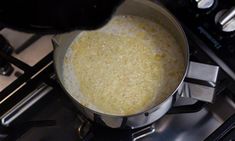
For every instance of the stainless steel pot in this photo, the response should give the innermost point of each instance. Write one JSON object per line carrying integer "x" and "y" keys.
{"x": 154, "y": 12}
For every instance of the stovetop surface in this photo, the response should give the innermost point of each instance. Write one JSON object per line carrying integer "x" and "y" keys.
{"x": 54, "y": 118}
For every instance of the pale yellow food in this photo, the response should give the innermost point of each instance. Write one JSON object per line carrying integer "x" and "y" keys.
{"x": 123, "y": 68}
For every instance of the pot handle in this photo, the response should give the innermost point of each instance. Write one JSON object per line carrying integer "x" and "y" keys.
{"x": 200, "y": 82}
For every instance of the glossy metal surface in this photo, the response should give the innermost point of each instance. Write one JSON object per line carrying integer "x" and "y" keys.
{"x": 203, "y": 72}
{"x": 204, "y": 89}
{"x": 147, "y": 10}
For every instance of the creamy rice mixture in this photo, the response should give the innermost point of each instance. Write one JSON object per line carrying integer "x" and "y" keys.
{"x": 123, "y": 68}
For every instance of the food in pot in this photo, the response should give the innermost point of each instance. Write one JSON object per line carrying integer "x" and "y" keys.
{"x": 124, "y": 68}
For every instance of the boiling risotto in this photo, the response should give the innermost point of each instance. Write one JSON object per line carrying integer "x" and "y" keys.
{"x": 123, "y": 68}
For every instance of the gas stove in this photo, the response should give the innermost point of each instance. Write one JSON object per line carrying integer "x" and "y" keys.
{"x": 33, "y": 106}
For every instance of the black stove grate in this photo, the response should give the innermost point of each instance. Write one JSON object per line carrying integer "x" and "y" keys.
{"x": 9, "y": 92}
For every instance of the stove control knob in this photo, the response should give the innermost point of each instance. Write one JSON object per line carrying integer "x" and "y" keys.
{"x": 225, "y": 19}
{"x": 204, "y": 4}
